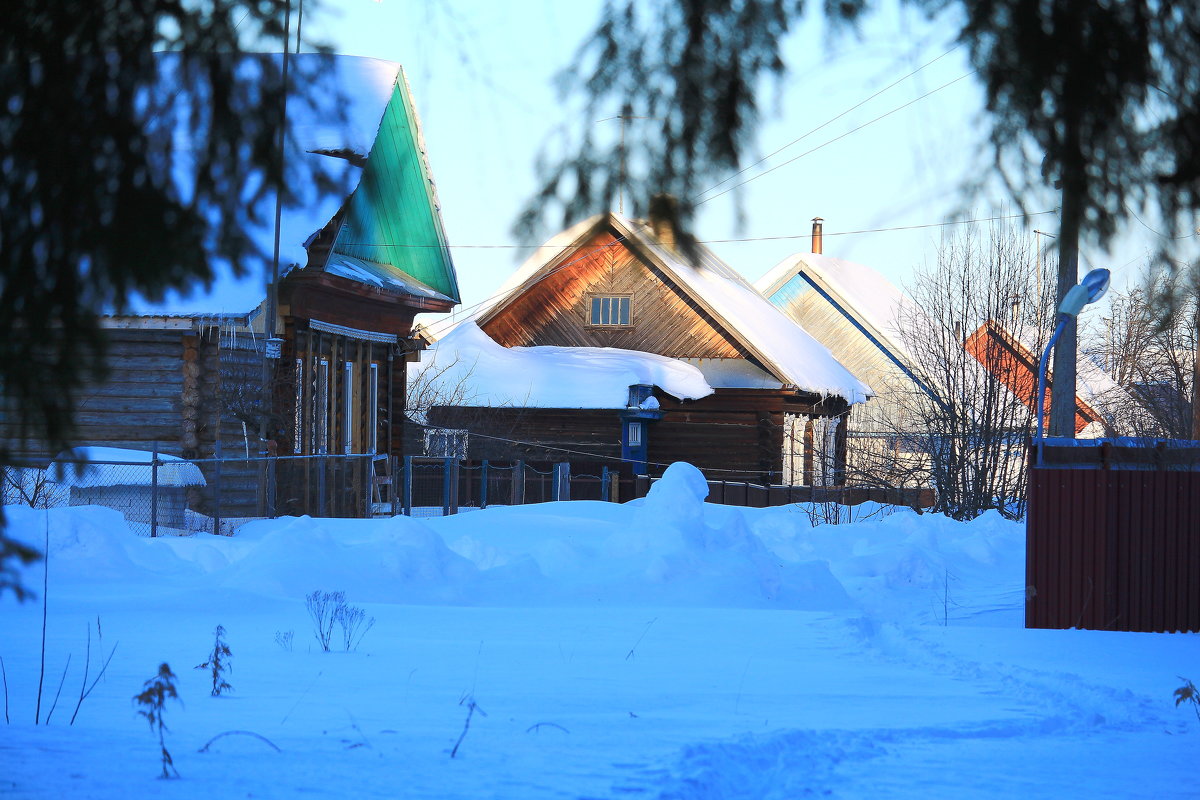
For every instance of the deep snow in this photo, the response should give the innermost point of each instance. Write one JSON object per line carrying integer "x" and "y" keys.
{"x": 662, "y": 648}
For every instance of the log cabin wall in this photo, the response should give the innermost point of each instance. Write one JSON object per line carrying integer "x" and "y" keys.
{"x": 555, "y": 310}
{"x": 738, "y": 433}
{"x": 735, "y": 434}
{"x": 141, "y": 401}
{"x": 532, "y": 434}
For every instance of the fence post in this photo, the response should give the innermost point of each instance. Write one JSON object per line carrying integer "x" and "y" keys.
{"x": 321, "y": 463}
{"x": 369, "y": 484}
{"x": 603, "y": 482}
{"x": 483, "y": 484}
{"x": 394, "y": 498}
{"x": 217, "y": 488}
{"x": 449, "y": 486}
{"x": 270, "y": 484}
{"x": 560, "y": 481}
{"x": 614, "y": 487}
{"x": 406, "y": 483}
{"x": 154, "y": 491}
{"x": 518, "y": 483}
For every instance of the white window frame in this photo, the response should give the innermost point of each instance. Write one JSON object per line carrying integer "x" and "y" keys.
{"x": 602, "y": 307}
{"x": 373, "y": 413}
{"x": 321, "y": 409}
{"x": 347, "y": 407}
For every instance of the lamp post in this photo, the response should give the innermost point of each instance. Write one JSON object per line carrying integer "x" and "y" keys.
{"x": 1087, "y": 291}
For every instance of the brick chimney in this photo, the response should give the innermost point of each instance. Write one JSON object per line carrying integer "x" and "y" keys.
{"x": 816, "y": 235}
{"x": 664, "y": 219}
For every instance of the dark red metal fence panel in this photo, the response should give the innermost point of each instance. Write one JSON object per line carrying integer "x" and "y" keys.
{"x": 1113, "y": 549}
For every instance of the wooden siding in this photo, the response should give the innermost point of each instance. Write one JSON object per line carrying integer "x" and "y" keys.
{"x": 544, "y": 434}
{"x": 846, "y": 342}
{"x": 1012, "y": 364}
{"x": 736, "y": 433}
{"x": 554, "y": 310}
{"x": 141, "y": 401}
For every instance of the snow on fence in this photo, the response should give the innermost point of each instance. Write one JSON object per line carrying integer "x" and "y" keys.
{"x": 161, "y": 494}
{"x": 165, "y": 495}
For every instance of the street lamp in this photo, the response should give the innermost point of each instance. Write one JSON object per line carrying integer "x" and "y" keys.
{"x": 1087, "y": 291}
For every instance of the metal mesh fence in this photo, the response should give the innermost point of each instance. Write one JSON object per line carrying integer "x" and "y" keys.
{"x": 161, "y": 495}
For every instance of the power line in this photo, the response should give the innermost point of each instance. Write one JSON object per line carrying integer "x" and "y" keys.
{"x": 882, "y": 230}
{"x": 829, "y": 122}
{"x": 724, "y": 241}
{"x": 594, "y": 456}
{"x": 838, "y": 138}
{"x": 433, "y": 327}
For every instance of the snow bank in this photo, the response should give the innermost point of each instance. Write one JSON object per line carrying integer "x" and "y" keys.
{"x": 670, "y": 549}
{"x": 470, "y": 367}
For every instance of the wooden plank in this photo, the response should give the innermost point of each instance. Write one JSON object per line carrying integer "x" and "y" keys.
{"x": 554, "y": 311}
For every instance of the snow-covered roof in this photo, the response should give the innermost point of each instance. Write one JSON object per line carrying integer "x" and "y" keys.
{"x": 781, "y": 345}
{"x": 870, "y": 299}
{"x": 468, "y": 366}
{"x": 338, "y": 108}
{"x": 379, "y": 275}
{"x": 118, "y": 466}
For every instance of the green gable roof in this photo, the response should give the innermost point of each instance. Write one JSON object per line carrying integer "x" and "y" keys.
{"x": 393, "y": 218}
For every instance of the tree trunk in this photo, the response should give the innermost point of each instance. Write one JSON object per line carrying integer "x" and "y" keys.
{"x": 1062, "y": 394}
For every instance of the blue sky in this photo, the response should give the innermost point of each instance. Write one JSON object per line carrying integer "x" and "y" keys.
{"x": 481, "y": 73}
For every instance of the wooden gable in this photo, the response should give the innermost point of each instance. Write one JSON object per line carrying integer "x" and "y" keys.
{"x": 553, "y": 308}
{"x": 1016, "y": 367}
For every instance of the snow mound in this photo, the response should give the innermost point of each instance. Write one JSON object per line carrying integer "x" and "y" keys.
{"x": 669, "y": 549}
{"x": 397, "y": 560}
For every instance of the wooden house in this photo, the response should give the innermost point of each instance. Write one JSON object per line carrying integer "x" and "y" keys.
{"x": 861, "y": 317}
{"x": 197, "y": 374}
{"x": 1002, "y": 354}
{"x": 616, "y": 283}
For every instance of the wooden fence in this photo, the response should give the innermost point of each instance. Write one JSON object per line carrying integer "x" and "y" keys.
{"x": 432, "y": 486}
{"x": 1113, "y": 538}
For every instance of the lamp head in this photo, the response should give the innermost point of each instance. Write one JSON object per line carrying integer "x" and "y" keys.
{"x": 1089, "y": 290}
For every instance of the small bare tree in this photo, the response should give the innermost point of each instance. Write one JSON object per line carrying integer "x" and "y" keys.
{"x": 971, "y": 330}
{"x": 1148, "y": 349}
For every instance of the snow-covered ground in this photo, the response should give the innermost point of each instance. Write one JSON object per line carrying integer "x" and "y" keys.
{"x": 662, "y": 648}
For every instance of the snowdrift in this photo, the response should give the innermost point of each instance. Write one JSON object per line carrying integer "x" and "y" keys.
{"x": 669, "y": 549}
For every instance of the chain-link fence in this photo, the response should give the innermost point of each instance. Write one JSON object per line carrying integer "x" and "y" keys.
{"x": 163, "y": 495}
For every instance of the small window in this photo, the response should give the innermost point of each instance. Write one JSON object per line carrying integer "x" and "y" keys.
{"x": 635, "y": 434}
{"x": 609, "y": 310}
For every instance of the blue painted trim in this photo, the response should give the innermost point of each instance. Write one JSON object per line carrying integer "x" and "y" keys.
{"x": 878, "y": 344}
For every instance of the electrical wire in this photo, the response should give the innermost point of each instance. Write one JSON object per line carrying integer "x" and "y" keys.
{"x": 837, "y": 138}
{"x": 593, "y": 456}
{"x": 828, "y": 122}
{"x": 444, "y": 324}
